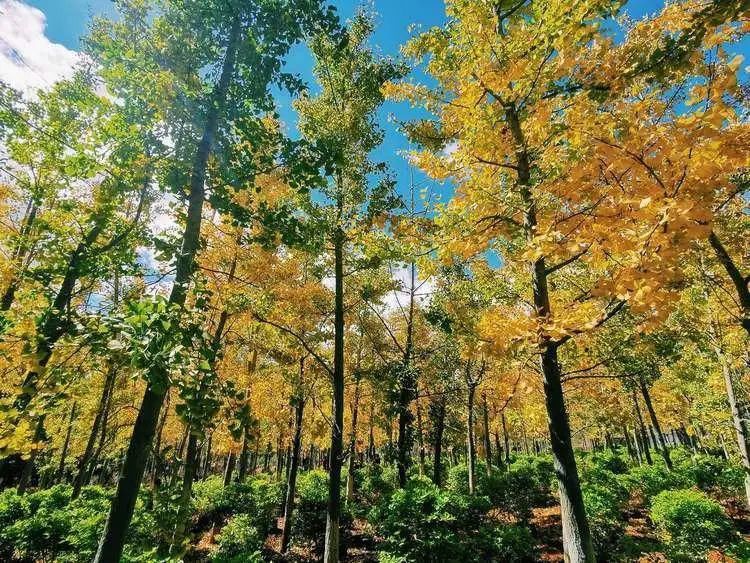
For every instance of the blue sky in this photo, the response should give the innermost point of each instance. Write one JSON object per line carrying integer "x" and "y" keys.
{"x": 67, "y": 20}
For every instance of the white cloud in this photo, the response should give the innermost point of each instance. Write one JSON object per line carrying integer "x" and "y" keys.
{"x": 399, "y": 298}
{"x": 28, "y": 59}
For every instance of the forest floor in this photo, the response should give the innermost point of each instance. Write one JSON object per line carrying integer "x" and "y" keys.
{"x": 639, "y": 544}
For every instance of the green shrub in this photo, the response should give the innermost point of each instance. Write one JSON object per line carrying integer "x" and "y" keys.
{"x": 65, "y": 531}
{"x": 40, "y": 533}
{"x": 514, "y": 544}
{"x": 239, "y": 540}
{"x": 604, "y": 510}
{"x": 606, "y": 460}
{"x": 374, "y": 484}
{"x": 691, "y": 524}
{"x": 260, "y": 497}
{"x": 421, "y": 523}
{"x": 87, "y": 515}
{"x": 309, "y": 525}
{"x": 523, "y": 486}
{"x": 709, "y": 472}
{"x": 650, "y": 480}
{"x": 207, "y": 496}
{"x": 13, "y": 507}
{"x": 540, "y": 467}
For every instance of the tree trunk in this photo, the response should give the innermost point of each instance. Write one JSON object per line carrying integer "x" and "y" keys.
{"x": 487, "y": 446}
{"x": 131, "y": 475}
{"x": 88, "y": 452}
{"x": 371, "y": 437}
{"x": 577, "y": 544}
{"x": 658, "y": 436}
{"x": 291, "y": 486}
{"x": 576, "y": 535}
{"x": 191, "y": 463}
{"x": 420, "y": 440}
{"x": 629, "y": 445}
{"x": 229, "y": 469}
{"x": 739, "y": 425}
{"x": 470, "y": 450}
{"x": 638, "y": 448}
{"x": 437, "y": 468}
{"x": 352, "y": 447}
{"x": 644, "y": 437}
{"x": 242, "y": 471}
{"x": 740, "y": 281}
{"x": 207, "y": 459}
{"x": 66, "y": 445}
{"x": 331, "y": 552}
{"x": 498, "y": 450}
{"x": 506, "y": 439}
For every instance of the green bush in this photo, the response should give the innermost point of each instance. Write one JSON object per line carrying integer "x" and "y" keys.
{"x": 374, "y": 483}
{"x": 709, "y": 472}
{"x": 309, "y": 525}
{"x": 650, "y": 480}
{"x": 87, "y": 515}
{"x": 239, "y": 540}
{"x": 606, "y": 460}
{"x": 207, "y": 496}
{"x": 518, "y": 490}
{"x": 422, "y": 523}
{"x": 260, "y": 497}
{"x": 604, "y": 510}
{"x": 605, "y": 497}
{"x": 13, "y": 507}
{"x": 46, "y": 526}
{"x": 691, "y": 524}
{"x": 514, "y": 544}
{"x": 540, "y": 467}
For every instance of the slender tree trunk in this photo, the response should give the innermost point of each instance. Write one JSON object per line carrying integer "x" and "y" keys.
{"x": 229, "y": 469}
{"x": 406, "y": 393}
{"x": 332, "y": 539}
{"x": 739, "y": 425}
{"x": 207, "y": 459}
{"x": 242, "y": 472}
{"x": 644, "y": 437}
{"x": 352, "y": 447}
{"x": 420, "y": 440}
{"x": 279, "y": 455}
{"x": 470, "y": 449}
{"x": 88, "y": 452}
{"x": 739, "y": 280}
{"x": 498, "y": 450}
{"x": 487, "y": 446}
{"x": 131, "y": 474}
{"x": 629, "y": 445}
{"x": 437, "y": 469}
{"x": 66, "y": 444}
{"x": 191, "y": 463}
{"x": 506, "y": 439}
{"x": 638, "y": 448}
{"x": 577, "y": 544}
{"x": 371, "y": 435}
{"x": 299, "y": 407}
{"x": 658, "y": 436}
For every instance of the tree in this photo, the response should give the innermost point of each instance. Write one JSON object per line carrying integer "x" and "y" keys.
{"x": 251, "y": 38}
